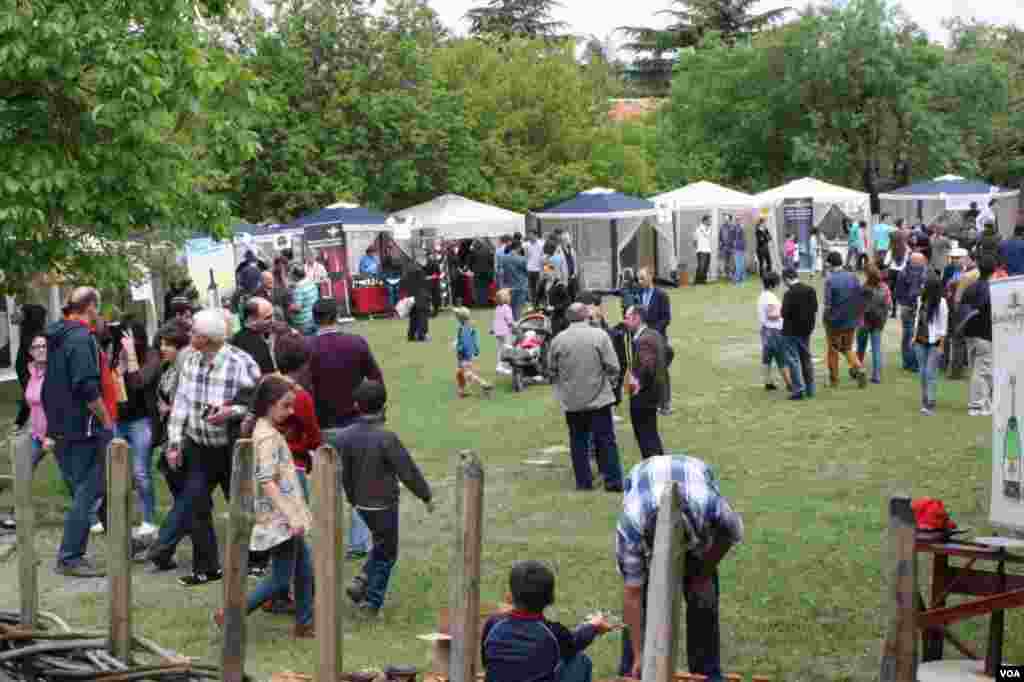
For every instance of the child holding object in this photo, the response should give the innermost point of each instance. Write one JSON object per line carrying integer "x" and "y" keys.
{"x": 467, "y": 350}
{"x": 282, "y": 517}
{"x": 523, "y": 645}
{"x": 373, "y": 462}
{"x": 502, "y": 326}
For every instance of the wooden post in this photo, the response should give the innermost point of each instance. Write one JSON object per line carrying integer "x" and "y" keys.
{"x": 668, "y": 568}
{"x": 466, "y": 608}
{"x": 119, "y": 548}
{"x": 236, "y": 563}
{"x": 899, "y": 649}
{"x": 329, "y": 562}
{"x": 25, "y": 511}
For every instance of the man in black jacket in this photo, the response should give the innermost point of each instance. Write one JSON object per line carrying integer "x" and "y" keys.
{"x": 414, "y": 283}
{"x": 659, "y": 317}
{"x": 78, "y": 422}
{"x": 646, "y": 381}
{"x": 799, "y": 313}
{"x": 976, "y": 310}
{"x": 373, "y": 462}
{"x": 254, "y": 338}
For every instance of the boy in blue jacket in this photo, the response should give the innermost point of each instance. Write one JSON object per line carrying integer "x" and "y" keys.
{"x": 467, "y": 349}
{"x": 523, "y": 646}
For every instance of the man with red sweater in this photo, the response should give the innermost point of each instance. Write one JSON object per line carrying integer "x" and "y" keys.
{"x": 338, "y": 364}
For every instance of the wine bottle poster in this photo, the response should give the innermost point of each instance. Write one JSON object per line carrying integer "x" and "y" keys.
{"x": 1007, "y": 505}
{"x": 205, "y": 254}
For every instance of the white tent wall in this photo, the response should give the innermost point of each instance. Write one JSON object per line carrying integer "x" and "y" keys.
{"x": 686, "y": 232}
{"x": 665, "y": 254}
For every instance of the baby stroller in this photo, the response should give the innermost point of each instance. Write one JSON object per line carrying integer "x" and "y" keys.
{"x": 527, "y": 353}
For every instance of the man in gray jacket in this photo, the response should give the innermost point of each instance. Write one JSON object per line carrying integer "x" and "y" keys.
{"x": 584, "y": 367}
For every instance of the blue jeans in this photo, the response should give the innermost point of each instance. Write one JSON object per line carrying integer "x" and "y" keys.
{"x": 907, "y": 315}
{"x": 519, "y": 299}
{"x": 289, "y": 560}
{"x": 875, "y": 336}
{"x": 577, "y": 669}
{"x": 383, "y": 556}
{"x": 741, "y": 266}
{"x": 81, "y": 463}
{"x": 928, "y": 363}
{"x": 703, "y": 641}
{"x": 139, "y": 434}
{"x": 801, "y": 368}
{"x": 358, "y": 535}
{"x": 37, "y": 453}
{"x": 482, "y": 290}
{"x": 596, "y": 424}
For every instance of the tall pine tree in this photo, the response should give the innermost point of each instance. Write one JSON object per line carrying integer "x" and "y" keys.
{"x": 516, "y": 18}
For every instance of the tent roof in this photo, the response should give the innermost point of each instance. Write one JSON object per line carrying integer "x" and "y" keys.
{"x": 810, "y": 187}
{"x": 340, "y": 215}
{"x": 600, "y": 203}
{"x": 949, "y": 185}
{"x": 450, "y": 209}
{"x": 705, "y": 194}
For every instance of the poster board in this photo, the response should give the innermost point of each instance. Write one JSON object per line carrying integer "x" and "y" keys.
{"x": 1007, "y": 503}
{"x": 798, "y": 219}
{"x": 205, "y": 254}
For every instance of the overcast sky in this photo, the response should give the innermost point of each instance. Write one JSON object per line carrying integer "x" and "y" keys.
{"x": 601, "y": 17}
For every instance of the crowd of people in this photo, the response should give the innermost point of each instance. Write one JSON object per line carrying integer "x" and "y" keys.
{"x": 274, "y": 365}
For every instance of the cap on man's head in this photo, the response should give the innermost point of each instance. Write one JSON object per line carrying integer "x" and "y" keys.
{"x": 790, "y": 274}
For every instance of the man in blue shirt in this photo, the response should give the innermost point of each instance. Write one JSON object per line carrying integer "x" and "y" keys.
{"x": 840, "y": 316}
{"x": 880, "y": 239}
{"x": 855, "y": 246}
{"x": 1011, "y": 252}
{"x": 369, "y": 264}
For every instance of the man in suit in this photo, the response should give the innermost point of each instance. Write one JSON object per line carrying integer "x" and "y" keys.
{"x": 659, "y": 316}
{"x": 646, "y": 381}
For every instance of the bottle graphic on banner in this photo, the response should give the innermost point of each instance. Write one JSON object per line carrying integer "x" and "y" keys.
{"x": 212, "y": 299}
{"x": 1012, "y": 449}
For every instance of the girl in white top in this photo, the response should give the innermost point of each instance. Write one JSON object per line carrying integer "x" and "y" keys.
{"x": 930, "y": 328}
{"x": 769, "y": 316}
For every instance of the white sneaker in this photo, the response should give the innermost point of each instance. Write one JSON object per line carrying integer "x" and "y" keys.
{"x": 145, "y": 530}
{"x": 96, "y": 528}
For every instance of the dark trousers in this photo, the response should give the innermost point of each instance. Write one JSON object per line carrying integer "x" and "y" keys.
{"x": 764, "y": 261}
{"x": 533, "y": 279}
{"x": 81, "y": 465}
{"x": 205, "y": 469}
{"x": 435, "y": 297}
{"x": 419, "y": 323}
{"x": 482, "y": 292}
{"x": 703, "y": 641}
{"x": 703, "y": 263}
{"x": 801, "y": 367}
{"x": 645, "y": 428}
{"x": 594, "y": 426}
{"x": 176, "y": 484}
{"x": 383, "y": 525}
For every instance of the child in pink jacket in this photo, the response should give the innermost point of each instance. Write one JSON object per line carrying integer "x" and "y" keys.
{"x": 502, "y": 326}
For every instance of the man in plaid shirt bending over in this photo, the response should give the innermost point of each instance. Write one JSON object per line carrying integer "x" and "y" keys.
{"x": 716, "y": 528}
{"x": 215, "y": 382}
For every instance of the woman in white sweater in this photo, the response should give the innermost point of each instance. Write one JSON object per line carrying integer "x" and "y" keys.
{"x": 930, "y": 330}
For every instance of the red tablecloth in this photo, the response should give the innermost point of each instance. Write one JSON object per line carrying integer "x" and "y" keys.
{"x": 370, "y": 300}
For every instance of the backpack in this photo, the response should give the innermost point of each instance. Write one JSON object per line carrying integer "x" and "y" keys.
{"x": 876, "y": 309}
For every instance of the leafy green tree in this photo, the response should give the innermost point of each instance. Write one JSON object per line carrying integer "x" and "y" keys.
{"x": 515, "y": 18}
{"x": 114, "y": 118}
{"x": 659, "y": 49}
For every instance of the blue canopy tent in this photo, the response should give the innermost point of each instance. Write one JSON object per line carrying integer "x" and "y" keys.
{"x": 929, "y": 200}
{"x": 602, "y": 223}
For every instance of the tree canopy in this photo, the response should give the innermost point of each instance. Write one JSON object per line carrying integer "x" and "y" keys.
{"x": 515, "y": 18}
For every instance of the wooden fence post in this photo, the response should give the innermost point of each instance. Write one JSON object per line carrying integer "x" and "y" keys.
{"x": 119, "y": 547}
{"x": 329, "y": 562}
{"x": 465, "y": 611}
{"x": 661, "y": 632}
{"x": 899, "y": 649}
{"x": 25, "y": 511}
{"x": 236, "y": 562}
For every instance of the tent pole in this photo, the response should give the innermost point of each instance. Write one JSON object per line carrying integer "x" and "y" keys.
{"x": 615, "y": 253}
{"x": 675, "y": 238}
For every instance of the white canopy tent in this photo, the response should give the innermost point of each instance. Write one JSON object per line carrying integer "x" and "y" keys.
{"x": 456, "y": 217}
{"x": 855, "y": 205}
{"x": 692, "y": 202}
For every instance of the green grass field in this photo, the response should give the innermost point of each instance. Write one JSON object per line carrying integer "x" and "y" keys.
{"x": 801, "y": 598}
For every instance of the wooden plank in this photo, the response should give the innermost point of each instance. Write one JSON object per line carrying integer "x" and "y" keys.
{"x": 236, "y": 562}
{"x": 661, "y": 633}
{"x": 25, "y": 512}
{"x": 977, "y": 583}
{"x": 899, "y": 649}
{"x": 466, "y": 615}
{"x": 119, "y": 548}
{"x": 329, "y": 561}
{"x": 979, "y": 607}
